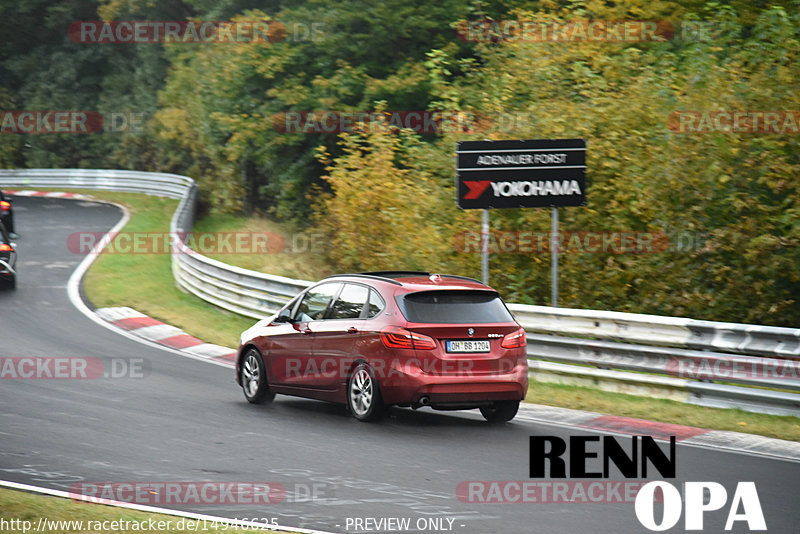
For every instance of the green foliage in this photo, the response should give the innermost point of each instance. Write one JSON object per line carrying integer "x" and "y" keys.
{"x": 383, "y": 206}
{"x": 339, "y": 59}
{"x": 728, "y": 202}
{"x": 729, "y": 210}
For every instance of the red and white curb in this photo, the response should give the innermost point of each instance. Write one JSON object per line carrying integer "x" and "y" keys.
{"x": 145, "y": 327}
{"x": 45, "y": 194}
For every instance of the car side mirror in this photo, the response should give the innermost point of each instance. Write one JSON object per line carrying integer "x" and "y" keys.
{"x": 282, "y": 319}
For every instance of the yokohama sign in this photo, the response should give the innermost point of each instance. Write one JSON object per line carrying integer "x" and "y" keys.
{"x": 521, "y": 174}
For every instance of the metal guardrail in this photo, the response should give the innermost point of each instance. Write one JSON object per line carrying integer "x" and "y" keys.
{"x": 241, "y": 291}
{"x": 683, "y": 363}
{"x": 149, "y": 183}
{"x": 660, "y": 330}
{"x": 635, "y": 353}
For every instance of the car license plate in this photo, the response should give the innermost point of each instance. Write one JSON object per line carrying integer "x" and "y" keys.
{"x": 468, "y": 346}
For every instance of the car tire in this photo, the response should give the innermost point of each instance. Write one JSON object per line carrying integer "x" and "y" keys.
{"x": 254, "y": 378}
{"x": 364, "y": 394}
{"x": 12, "y": 283}
{"x": 500, "y": 411}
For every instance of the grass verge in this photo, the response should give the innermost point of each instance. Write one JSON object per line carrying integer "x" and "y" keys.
{"x": 145, "y": 282}
{"x": 21, "y": 512}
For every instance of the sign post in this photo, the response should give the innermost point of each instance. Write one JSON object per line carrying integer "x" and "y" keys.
{"x": 521, "y": 174}
{"x": 554, "y": 257}
{"x": 485, "y": 247}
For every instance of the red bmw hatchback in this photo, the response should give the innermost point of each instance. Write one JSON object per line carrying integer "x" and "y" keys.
{"x": 377, "y": 339}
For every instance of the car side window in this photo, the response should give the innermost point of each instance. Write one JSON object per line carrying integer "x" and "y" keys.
{"x": 315, "y": 302}
{"x": 286, "y": 312}
{"x": 375, "y": 304}
{"x": 350, "y": 302}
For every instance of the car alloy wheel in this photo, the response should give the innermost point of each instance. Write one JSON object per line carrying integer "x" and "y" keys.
{"x": 254, "y": 378}
{"x": 363, "y": 394}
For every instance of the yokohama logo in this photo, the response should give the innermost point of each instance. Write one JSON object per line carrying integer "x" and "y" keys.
{"x": 476, "y": 188}
{"x": 532, "y": 189}
{"x": 523, "y": 188}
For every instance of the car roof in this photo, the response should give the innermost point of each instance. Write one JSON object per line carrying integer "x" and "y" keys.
{"x": 416, "y": 280}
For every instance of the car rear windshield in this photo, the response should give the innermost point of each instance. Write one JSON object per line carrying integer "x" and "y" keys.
{"x": 454, "y": 307}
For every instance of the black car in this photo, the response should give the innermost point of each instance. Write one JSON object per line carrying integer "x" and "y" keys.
{"x": 6, "y": 212}
{"x": 8, "y": 258}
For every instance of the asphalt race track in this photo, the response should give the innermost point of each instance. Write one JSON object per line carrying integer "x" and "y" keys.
{"x": 183, "y": 420}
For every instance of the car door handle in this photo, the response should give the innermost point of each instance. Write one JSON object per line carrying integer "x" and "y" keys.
{"x": 352, "y": 330}
{"x": 305, "y": 331}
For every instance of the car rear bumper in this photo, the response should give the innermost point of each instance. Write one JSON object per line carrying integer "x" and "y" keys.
{"x": 419, "y": 389}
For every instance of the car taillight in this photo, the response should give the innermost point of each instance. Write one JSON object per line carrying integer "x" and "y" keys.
{"x": 6, "y": 248}
{"x": 514, "y": 340}
{"x": 395, "y": 337}
{"x": 5, "y": 206}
